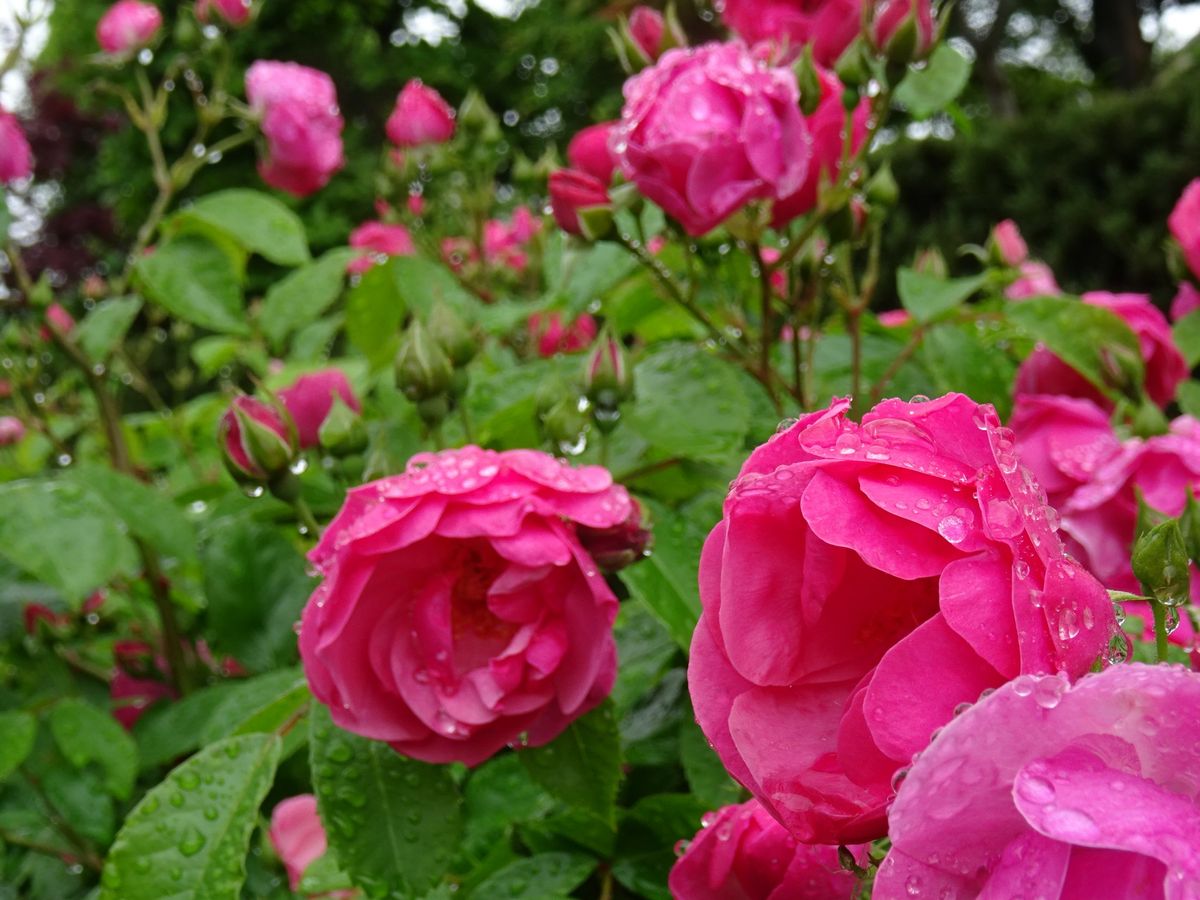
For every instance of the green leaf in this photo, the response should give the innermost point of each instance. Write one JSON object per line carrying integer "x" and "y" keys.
{"x": 541, "y": 877}
{"x": 374, "y": 311}
{"x": 86, "y": 734}
{"x": 931, "y": 89}
{"x": 192, "y": 278}
{"x": 188, "y": 837}
{"x": 105, "y": 326}
{"x": 393, "y": 822}
{"x": 257, "y": 221}
{"x": 304, "y": 294}
{"x": 499, "y": 794}
{"x": 1187, "y": 337}
{"x": 424, "y": 283}
{"x": 582, "y": 766}
{"x": 80, "y": 798}
{"x": 283, "y": 714}
{"x": 644, "y": 650}
{"x": 666, "y": 580}
{"x": 706, "y": 775}
{"x": 63, "y": 535}
{"x": 958, "y": 358}
{"x": 323, "y": 876}
{"x": 689, "y": 403}
{"x": 1188, "y": 397}
{"x": 927, "y": 296}
{"x": 147, "y": 513}
{"x": 19, "y": 730}
{"x": 1094, "y": 341}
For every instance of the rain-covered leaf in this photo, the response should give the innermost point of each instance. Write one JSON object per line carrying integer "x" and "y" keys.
{"x": 194, "y": 279}
{"x": 256, "y": 221}
{"x": 582, "y": 766}
{"x": 545, "y": 876}
{"x": 928, "y": 296}
{"x": 86, "y": 734}
{"x": 104, "y": 327}
{"x": 303, "y": 295}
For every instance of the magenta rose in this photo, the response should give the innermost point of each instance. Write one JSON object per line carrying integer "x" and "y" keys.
{"x": 300, "y": 120}
{"x": 16, "y": 160}
{"x": 864, "y": 581}
{"x": 894, "y": 17}
{"x": 706, "y": 131}
{"x": 381, "y": 240}
{"x": 742, "y": 853}
{"x": 233, "y": 12}
{"x": 552, "y": 334}
{"x": 828, "y": 25}
{"x": 572, "y": 192}
{"x": 1187, "y": 300}
{"x": 827, "y": 125}
{"x": 421, "y": 117}
{"x": 504, "y": 242}
{"x": 12, "y": 430}
{"x": 460, "y": 611}
{"x": 1045, "y": 373}
{"x": 646, "y": 27}
{"x": 1008, "y": 243}
{"x": 127, "y": 26}
{"x": 59, "y": 319}
{"x": 1036, "y": 280}
{"x": 1050, "y": 790}
{"x": 589, "y": 152}
{"x": 1184, "y": 223}
{"x": 310, "y": 398}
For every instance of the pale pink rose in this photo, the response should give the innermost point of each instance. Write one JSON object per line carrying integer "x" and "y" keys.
{"x": 12, "y": 430}
{"x": 1006, "y": 238}
{"x": 1036, "y": 280}
{"x": 865, "y": 580}
{"x": 460, "y": 611}
{"x": 128, "y": 25}
{"x": 297, "y": 835}
{"x": 1187, "y": 299}
{"x": 310, "y": 398}
{"x": 571, "y": 192}
{"x": 893, "y": 15}
{"x": 300, "y": 120}
{"x": 742, "y": 853}
{"x": 894, "y": 318}
{"x": 827, "y": 126}
{"x": 16, "y": 160}
{"x": 646, "y": 27}
{"x": 589, "y": 152}
{"x": 381, "y": 240}
{"x": 1184, "y": 223}
{"x": 421, "y": 117}
{"x": 706, "y": 131}
{"x": 234, "y": 12}
{"x": 828, "y": 25}
{"x": 1044, "y": 789}
{"x": 552, "y": 334}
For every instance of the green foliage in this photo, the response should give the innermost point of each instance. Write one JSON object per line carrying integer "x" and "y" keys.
{"x": 86, "y": 734}
{"x": 18, "y": 729}
{"x": 926, "y": 91}
{"x": 928, "y": 297}
{"x": 193, "y": 278}
{"x": 304, "y": 295}
{"x": 257, "y": 222}
{"x": 582, "y": 766}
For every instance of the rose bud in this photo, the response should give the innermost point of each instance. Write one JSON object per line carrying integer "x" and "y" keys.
{"x": 456, "y": 337}
{"x": 423, "y": 370}
{"x": 607, "y": 377}
{"x": 580, "y": 204}
{"x": 1187, "y": 300}
{"x": 645, "y": 31}
{"x": 421, "y": 117}
{"x": 34, "y": 614}
{"x": 620, "y": 545}
{"x": 342, "y": 431}
{"x": 467, "y": 574}
{"x": 310, "y": 399}
{"x": 904, "y": 30}
{"x": 553, "y": 334}
{"x": 12, "y": 430}
{"x": 829, "y": 26}
{"x": 589, "y": 152}
{"x": 234, "y": 12}
{"x": 128, "y": 25}
{"x": 257, "y": 444}
{"x": 16, "y": 160}
{"x": 299, "y": 838}
{"x": 1007, "y": 246}
{"x": 381, "y": 241}
{"x": 58, "y": 319}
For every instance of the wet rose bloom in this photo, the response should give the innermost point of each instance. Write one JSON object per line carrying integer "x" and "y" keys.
{"x": 1187, "y": 300}
{"x": 705, "y": 131}
{"x": 1036, "y": 280}
{"x": 301, "y": 123}
{"x": 127, "y": 26}
{"x": 864, "y": 581}
{"x": 572, "y": 192}
{"x": 828, "y": 25}
{"x": 421, "y": 117}
{"x": 460, "y": 610}
{"x": 1184, "y": 224}
{"x": 742, "y": 853}
{"x": 233, "y": 12}
{"x": 589, "y": 152}
{"x": 16, "y": 160}
{"x": 310, "y": 398}
{"x": 381, "y": 240}
{"x": 1044, "y": 789}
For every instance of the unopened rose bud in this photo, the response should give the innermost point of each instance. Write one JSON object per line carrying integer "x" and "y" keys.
{"x": 809, "y": 81}
{"x": 453, "y": 334}
{"x": 931, "y": 262}
{"x": 127, "y": 26}
{"x": 904, "y": 30}
{"x": 423, "y": 370}
{"x": 882, "y": 189}
{"x": 12, "y": 430}
{"x": 256, "y": 441}
{"x": 564, "y": 424}
{"x": 477, "y": 117}
{"x": 621, "y": 545}
{"x": 421, "y": 117}
{"x": 644, "y": 32}
{"x": 580, "y": 204}
{"x": 607, "y": 376}
{"x": 1006, "y": 246}
{"x": 1160, "y": 562}
{"x": 95, "y": 287}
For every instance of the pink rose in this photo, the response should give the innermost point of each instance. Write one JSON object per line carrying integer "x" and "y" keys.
{"x": 58, "y": 319}
{"x": 382, "y": 240}
{"x": 16, "y": 160}
{"x": 298, "y": 837}
{"x": 421, "y": 117}
{"x": 1184, "y": 223}
{"x": 827, "y": 125}
{"x": 416, "y": 205}
{"x": 589, "y": 152}
{"x": 460, "y": 612}
{"x": 1187, "y": 299}
{"x": 646, "y": 27}
{"x": 1050, "y": 790}
{"x": 891, "y": 16}
{"x": 138, "y": 681}
{"x": 828, "y": 25}
{"x": 894, "y": 318}
{"x": 265, "y": 453}
{"x": 1045, "y": 373}
{"x": 742, "y": 853}
{"x": 1036, "y": 280}
{"x": 1008, "y": 243}
{"x": 234, "y": 12}
{"x": 301, "y": 123}
{"x": 553, "y": 335}
{"x": 127, "y": 26}
{"x": 706, "y": 131}
{"x": 504, "y": 242}
{"x": 1063, "y": 441}
{"x": 310, "y": 398}
{"x": 12, "y": 430}
{"x": 864, "y": 581}
{"x": 571, "y": 192}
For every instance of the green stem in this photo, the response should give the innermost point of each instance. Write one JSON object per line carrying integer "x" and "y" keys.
{"x": 1161, "y": 636}
{"x": 305, "y": 517}
{"x": 465, "y": 418}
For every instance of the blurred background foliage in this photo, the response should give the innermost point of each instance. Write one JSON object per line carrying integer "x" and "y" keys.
{"x": 1082, "y": 121}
